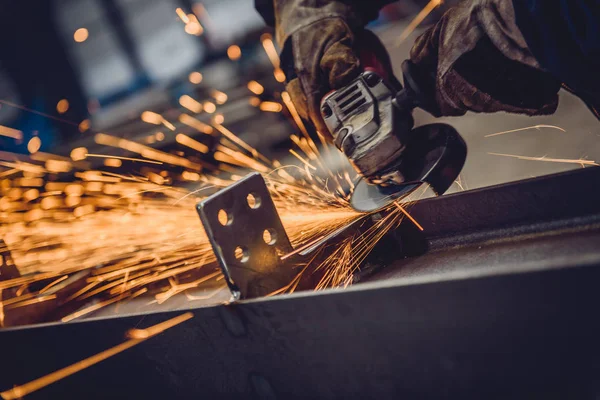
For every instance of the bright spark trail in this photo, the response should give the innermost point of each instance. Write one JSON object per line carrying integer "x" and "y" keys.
{"x": 135, "y": 232}
{"x": 112, "y": 236}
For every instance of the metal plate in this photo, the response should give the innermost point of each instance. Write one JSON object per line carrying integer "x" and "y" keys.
{"x": 251, "y": 265}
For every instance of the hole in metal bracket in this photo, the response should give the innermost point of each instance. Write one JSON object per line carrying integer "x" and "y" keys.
{"x": 242, "y": 254}
{"x": 224, "y": 217}
{"x": 253, "y": 200}
{"x": 270, "y": 236}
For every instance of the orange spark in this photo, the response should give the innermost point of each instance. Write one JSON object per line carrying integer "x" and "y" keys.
{"x": 195, "y": 78}
{"x": 581, "y": 161}
{"x": 432, "y": 5}
{"x": 219, "y": 96}
{"x": 234, "y": 52}
{"x": 279, "y": 75}
{"x": 195, "y": 123}
{"x": 414, "y": 221}
{"x": 538, "y": 127}
{"x": 34, "y": 145}
{"x": 78, "y": 153}
{"x": 193, "y": 27}
{"x": 53, "y": 283}
{"x": 270, "y": 106}
{"x": 218, "y": 119}
{"x": 255, "y": 87}
{"x": 190, "y": 176}
{"x": 11, "y": 133}
{"x": 84, "y": 125}
{"x": 123, "y": 158}
{"x": 225, "y": 154}
{"x": 113, "y": 162}
{"x": 209, "y": 107}
{"x": 235, "y": 139}
{"x": 153, "y": 118}
{"x": 309, "y": 165}
{"x": 58, "y": 166}
{"x": 191, "y": 104}
{"x": 62, "y": 106}
{"x": 81, "y": 35}
{"x": 182, "y": 15}
{"x": 267, "y": 42}
{"x": 191, "y": 143}
{"x": 287, "y": 100}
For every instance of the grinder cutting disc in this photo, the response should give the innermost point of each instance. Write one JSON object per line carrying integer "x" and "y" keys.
{"x": 435, "y": 155}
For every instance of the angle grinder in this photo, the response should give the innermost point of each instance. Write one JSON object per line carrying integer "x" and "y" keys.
{"x": 370, "y": 120}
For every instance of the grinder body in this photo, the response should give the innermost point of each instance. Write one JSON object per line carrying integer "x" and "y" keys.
{"x": 367, "y": 127}
{"x": 370, "y": 121}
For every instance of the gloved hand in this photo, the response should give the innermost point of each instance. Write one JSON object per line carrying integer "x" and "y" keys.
{"x": 317, "y": 38}
{"x": 476, "y": 59}
{"x": 323, "y": 60}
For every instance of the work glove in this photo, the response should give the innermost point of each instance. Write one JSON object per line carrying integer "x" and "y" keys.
{"x": 317, "y": 38}
{"x": 476, "y": 59}
{"x": 323, "y": 60}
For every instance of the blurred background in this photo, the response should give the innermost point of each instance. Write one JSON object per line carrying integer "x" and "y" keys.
{"x": 70, "y": 69}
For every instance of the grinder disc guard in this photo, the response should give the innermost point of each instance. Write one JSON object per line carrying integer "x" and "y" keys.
{"x": 435, "y": 155}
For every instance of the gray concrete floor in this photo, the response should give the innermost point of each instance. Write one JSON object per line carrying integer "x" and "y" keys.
{"x": 582, "y": 138}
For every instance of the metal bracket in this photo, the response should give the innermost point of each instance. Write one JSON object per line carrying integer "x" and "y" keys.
{"x": 247, "y": 237}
